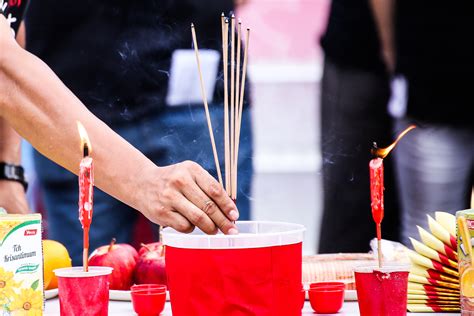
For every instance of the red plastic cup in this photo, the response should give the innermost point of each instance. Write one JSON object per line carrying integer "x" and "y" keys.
{"x": 326, "y": 300}
{"x": 303, "y": 297}
{"x": 148, "y": 302}
{"x": 382, "y": 291}
{"x": 83, "y": 293}
{"x": 157, "y": 287}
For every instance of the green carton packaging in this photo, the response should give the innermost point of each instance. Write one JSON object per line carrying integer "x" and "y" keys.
{"x": 21, "y": 265}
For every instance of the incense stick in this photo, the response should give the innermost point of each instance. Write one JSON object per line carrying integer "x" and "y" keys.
{"x": 241, "y": 102}
{"x": 225, "y": 36}
{"x": 237, "y": 120}
{"x": 236, "y": 109}
{"x": 206, "y": 107}
{"x": 232, "y": 100}
{"x": 237, "y": 90}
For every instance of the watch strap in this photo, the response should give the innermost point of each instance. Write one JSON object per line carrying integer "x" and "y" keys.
{"x": 13, "y": 172}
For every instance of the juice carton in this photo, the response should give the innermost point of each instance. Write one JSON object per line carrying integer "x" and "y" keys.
{"x": 21, "y": 265}
{"x": 465, "y": 232}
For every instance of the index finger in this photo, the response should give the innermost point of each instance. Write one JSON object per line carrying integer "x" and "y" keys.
{"x": 216, "y": 192}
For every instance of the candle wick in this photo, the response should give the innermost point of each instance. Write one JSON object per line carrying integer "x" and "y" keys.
{"x": 374, "y": 150}
{"x": 86, "y": 150}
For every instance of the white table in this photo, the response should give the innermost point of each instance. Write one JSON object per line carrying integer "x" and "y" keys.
{"x": 117, "y": 308}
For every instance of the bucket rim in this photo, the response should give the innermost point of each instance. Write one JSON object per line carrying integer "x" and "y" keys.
{"x": 297, "y": 228}
{"x": 199, "y": 240}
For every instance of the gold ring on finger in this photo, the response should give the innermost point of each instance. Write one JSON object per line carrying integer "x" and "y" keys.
{"x": 207, "y": 206}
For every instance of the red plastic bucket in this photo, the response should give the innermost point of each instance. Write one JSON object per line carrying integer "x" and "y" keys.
{"x": 257, "y": 272}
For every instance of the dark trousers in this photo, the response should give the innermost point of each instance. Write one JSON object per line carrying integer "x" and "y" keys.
{"x": 354, "y": 115}
{"x": 435, "y": 172}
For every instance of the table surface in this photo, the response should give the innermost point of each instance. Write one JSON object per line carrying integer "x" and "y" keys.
{"x": 118, "y": 308}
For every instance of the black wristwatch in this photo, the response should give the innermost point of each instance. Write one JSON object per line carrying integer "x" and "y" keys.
{"x": 13, "y": 173}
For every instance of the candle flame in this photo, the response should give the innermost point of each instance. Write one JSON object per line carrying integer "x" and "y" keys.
{"x": 85, "y": 142}
{"x": 383, "y": 152}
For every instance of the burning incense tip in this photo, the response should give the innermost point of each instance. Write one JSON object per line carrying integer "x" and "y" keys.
{"x": 192, "y": 25}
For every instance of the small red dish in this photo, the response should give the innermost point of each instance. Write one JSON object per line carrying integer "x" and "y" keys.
{"x": 148, "y": 302}
{"x": 326, "y": 300}
{"x": 328, "y": 285}
{"x": 138, "y": 287}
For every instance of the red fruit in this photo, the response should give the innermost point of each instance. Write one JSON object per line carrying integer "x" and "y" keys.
{"x": 154, "y": 246}
{"x": 131, "y": 250}
{"x": 151, "y": 265}
{"x": 122, "y": 258}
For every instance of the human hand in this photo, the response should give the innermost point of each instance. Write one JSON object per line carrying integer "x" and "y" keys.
{"x": 184, "y": 195}
{"x": 13, "y": 197}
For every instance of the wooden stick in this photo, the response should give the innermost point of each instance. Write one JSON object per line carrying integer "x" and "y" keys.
{"x": 85, "y": 259}
{"x": 237, "y": 119}
{"x": 85, "y": 252}
{"x": 232, "y": 99}
{"x": 206, "y": 107}
{"x": 225, "y": 44}
{"x": 241, "y": 103}
{"x": 379, "y": 251}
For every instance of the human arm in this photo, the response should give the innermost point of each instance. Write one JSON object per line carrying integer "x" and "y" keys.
{"x": 384, "y": 16}
{"x": 41, "y": 109}
{"x": 12, "y": 193}
{"x": 21, "y": 35}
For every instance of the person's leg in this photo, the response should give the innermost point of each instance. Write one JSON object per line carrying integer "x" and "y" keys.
{"x": 353, "y": 115}
{"x": 434, "y": 166}
{"x": 181, "y": 133}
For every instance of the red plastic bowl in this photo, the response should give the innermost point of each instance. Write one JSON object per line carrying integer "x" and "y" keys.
{"x": 138, "y": 287}
{"x": 328, "y": 285}
{"x": 326, "y": 301}
{"x": 149, "y": 302}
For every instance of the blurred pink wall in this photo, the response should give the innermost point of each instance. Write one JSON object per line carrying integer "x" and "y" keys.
{"x": 285, "y": 30}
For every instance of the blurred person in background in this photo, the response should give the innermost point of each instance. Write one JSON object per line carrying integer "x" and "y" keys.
{"x": 117, "y": 57}
{"x": 354, "y": 97}
{"x": 168, "y": 195}
{"x": 434, "y": 51}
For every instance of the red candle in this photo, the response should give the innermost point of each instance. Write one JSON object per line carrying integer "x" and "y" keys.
{"x": 376, "y": 192}
{"x": 376, "y": 197}
{"x": 86, "y": 192}
{"x": 377, "y": 188}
